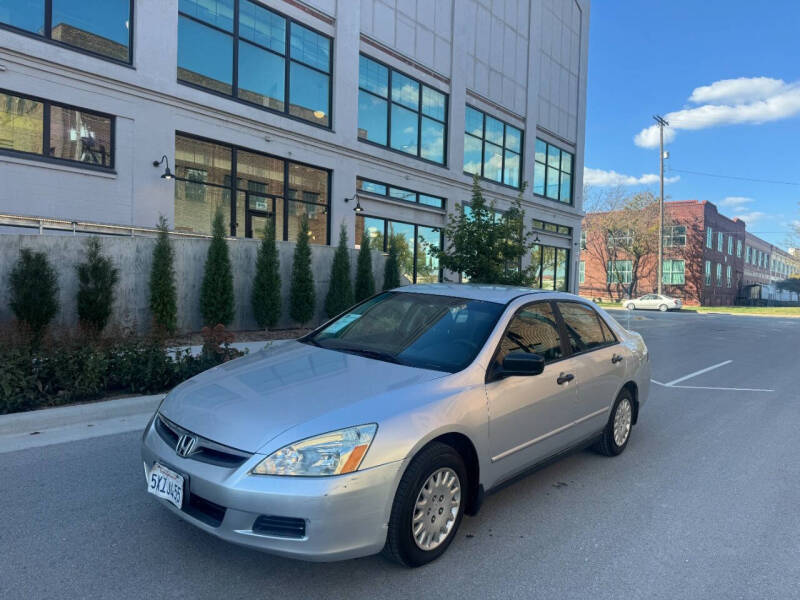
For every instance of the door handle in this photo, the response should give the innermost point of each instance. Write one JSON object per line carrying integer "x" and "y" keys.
{"x": 565, "y": 378}
{"x": 616, "y": 358}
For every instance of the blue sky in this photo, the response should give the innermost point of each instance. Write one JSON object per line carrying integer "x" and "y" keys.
{"x": 729, "y": 72}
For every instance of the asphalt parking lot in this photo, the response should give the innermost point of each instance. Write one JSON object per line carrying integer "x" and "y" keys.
{"x": 703, "y": 503}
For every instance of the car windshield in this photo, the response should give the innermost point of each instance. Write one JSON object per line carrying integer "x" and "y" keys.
{"x": 419, "y": 330}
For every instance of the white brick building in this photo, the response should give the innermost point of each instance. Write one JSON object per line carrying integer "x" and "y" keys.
{"x": 284, "y": 107}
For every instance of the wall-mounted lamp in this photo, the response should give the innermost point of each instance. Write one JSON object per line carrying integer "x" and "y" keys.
{"x": 167, "y": 173}
{"x": 536, "y": 240}
{"x": 358, "y": 208}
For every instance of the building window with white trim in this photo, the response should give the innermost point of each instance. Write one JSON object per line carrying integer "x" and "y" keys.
{"x": 728, "y": 275}
{"x": 673, "y": 272}
{"x": 708, "y": 272}
{"x": 719, "y": 275}
{"x": 674, "y": 235}
{"x": 709, "y": 237}
{"x": 619, "y": 271}
{"x": 582, "y": 272}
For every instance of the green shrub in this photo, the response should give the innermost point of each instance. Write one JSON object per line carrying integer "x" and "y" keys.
{"x": 216, "y": 293}
{"x": 97, "y": 277}
{"x": 34, "y": 289}
{"x": 365, "y": 282}
{"x": 340, "y": 292}
{"x": 163, "y": 295}
{"x": 302, "y": 299}
{"x": 391, "y": 270}
{"x": 266, "y": 298}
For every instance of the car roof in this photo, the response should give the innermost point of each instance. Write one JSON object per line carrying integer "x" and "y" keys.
{"x": 500, "y": 294}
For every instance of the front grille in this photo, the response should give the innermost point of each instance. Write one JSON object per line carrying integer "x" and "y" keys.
{"x": 204, "y": 510}
{"x": 205, "y": 450}
{"x": 287, "y": 527}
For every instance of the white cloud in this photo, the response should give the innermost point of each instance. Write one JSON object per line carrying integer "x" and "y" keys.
{"x": 601, "y": 178}
{"x": 729, "y": 102}
{"x": 736, "y": 201}
{"x": 751, "y": 217}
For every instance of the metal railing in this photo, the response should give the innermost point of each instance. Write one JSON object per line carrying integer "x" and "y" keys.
{"x": 75, "y": 227}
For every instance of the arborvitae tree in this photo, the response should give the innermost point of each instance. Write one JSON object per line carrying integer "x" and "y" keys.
{"x": 365, "y": 282}
{"x": 216, "y": 293}
{"x": 266, "y": 296}
{"x": 163, "y": 295}
{"x": 391, "y": 270}
{"x": 340, "y": 292}
{"x": 301, "y": 296}
{"x": 33, "y": 284}
{"x": 97, "y": 278}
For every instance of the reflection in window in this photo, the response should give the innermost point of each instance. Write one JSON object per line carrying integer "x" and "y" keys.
{"x": 552, "y": 172}
{"x": 417, "y": 112}
{"x": 550, "y": 267}
{"x": 533, "y": 330}
{"x": 208, "y": 39}
{"x": 101, "y": 27}
{"x": 73, "y": 134}
{"x": 381, "y": 189}
{"x": 492, "y": 148}
{"x": 205, "y": 184}
{"x": 412, "y": 242}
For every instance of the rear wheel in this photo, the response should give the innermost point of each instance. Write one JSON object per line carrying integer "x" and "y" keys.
{"x": 618, "y": 429}
{"x": 428, "y": 506}
{"x": 662, "y": 308}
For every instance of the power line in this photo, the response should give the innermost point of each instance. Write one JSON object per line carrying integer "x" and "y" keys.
{"x": 797, "y": 183}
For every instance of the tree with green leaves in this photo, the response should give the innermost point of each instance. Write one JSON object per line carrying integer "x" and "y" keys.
{"x": 340, "y": 292}
{"x": 266, "y": 296}
{"x": 365, "y": 281}
{"x": 391, "y": 269}
{"x": 485, "y": 245}
{"x": 302, "y": 299}
{"x": 216, "y": 292}
{"x": 163, "y": 292}
{"x": 33, "y": 284}
{"x": 97, "y": 277}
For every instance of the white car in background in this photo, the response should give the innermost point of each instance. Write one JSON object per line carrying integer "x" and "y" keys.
{"x": 653, "y": 302}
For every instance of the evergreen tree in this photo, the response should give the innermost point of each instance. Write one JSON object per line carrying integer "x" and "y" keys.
{"x": 33, "y": 284}
{"x": 163, "y": 294}
{"x": 391, "y": 270}
{"x": 216, "y": 293}
{"x": 365, "y": 282}
{"x": 301, "y": 296}
{"x": 266, "y": 296}
{"x": 340, "y": 292}
{"x": 97, "y": 278}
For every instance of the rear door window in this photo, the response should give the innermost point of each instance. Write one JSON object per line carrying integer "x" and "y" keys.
{"x": 583, "y": 326}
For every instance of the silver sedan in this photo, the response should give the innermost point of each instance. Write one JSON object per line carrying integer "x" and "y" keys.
{"x": 382, "y": 428}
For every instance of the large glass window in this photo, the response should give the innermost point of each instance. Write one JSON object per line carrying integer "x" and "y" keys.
{"x": 100, "y": 27}
{"x": 412, "y": 242}
{"x": 550, "y": 267}
{"x": 619, "y": 271}
{"x": 400, "y": 112}
{"x": 492, "y": 148}
{"x": 390, "y": 191}
{"x": 280, "y": 64}
{"x": 675, "y": 235}
{"x": 673, "y": 272}
{"x": 263, "y": 189}
{"x": 552, "y": 172}
{"x": 43, "y": 128}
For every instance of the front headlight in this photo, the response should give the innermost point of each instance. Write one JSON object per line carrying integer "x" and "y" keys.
{"x": 332, "y": 453}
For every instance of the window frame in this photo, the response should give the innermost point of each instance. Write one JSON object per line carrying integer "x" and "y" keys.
{"x": 234, "y": 189}
{"x": 389, "y": 186}
{"x": 48, "y": 31}
{"x": 572, "y": 174}
{"x": 287, "y": 58}
{"x": 521, "y": 152}
{"x": 46, "y": 106}
{"x": 612, "y": 271}
{"x": 669, "y": 238}
{"x": 420, "y": 114}
{"x": 567, "y": 266}
{"x": 554, "y": 228}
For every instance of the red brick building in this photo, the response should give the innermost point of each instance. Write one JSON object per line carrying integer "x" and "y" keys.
{"x": 703, "y": 259}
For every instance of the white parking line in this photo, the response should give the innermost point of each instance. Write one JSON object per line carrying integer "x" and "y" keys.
{"x": 698, "y": 387}
{"x": 696, "y": 373}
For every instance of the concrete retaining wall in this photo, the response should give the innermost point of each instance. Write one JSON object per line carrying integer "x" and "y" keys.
{"x": 133, "y": 258}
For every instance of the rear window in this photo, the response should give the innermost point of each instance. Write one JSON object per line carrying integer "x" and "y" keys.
{"x": 584, "y": 326}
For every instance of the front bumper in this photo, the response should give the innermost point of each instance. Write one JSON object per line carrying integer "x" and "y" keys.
{"x": 345, "y": 516}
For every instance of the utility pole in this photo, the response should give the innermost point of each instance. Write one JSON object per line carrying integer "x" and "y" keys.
{"x": 661, "y": 124}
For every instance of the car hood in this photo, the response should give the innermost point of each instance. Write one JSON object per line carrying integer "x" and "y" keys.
{"x": 246, "y": 402}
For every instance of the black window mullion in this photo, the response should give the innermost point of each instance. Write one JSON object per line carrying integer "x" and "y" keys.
{"x": 46, "y": 108}
{"x": 419, "y": 135}
{"x": 389, "y": 112}
{"x": 286, "y": 86}
{"x": 483, "y": 140}
{"x": 286, "y": 199}
{"x": 503, "y": 157}
{"x": 48, "y": 19}
{"x": 414, "y": 256}
{"x": 235, "y": 72}
{"x": 233, "y": 191}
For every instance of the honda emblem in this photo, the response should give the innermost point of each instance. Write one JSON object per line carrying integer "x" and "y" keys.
{"x": 185, "y": 445}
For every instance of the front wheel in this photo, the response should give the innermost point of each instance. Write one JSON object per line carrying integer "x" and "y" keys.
{"x": 618, "y": 429}
{"x": 663, "y": 308}
{"x": 428, "y": 506}
{"x": 630, "y": 306}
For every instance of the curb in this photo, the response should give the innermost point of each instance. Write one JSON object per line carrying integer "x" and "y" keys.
{"x": 62, "y": 416}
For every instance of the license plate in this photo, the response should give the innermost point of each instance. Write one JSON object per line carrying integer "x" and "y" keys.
{"x": 165, "y": 483}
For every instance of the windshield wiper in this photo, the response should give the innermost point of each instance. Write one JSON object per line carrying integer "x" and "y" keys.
{"x": 384, "y": 356}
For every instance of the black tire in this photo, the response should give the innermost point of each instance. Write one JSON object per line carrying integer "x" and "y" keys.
{"x": 663, "y": 308}
{"x": 607, "y": 445}
{"x": 400, "y": 545}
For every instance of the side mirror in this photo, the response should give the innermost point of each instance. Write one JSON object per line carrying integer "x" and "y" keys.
{"x": 522, "y": 363}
